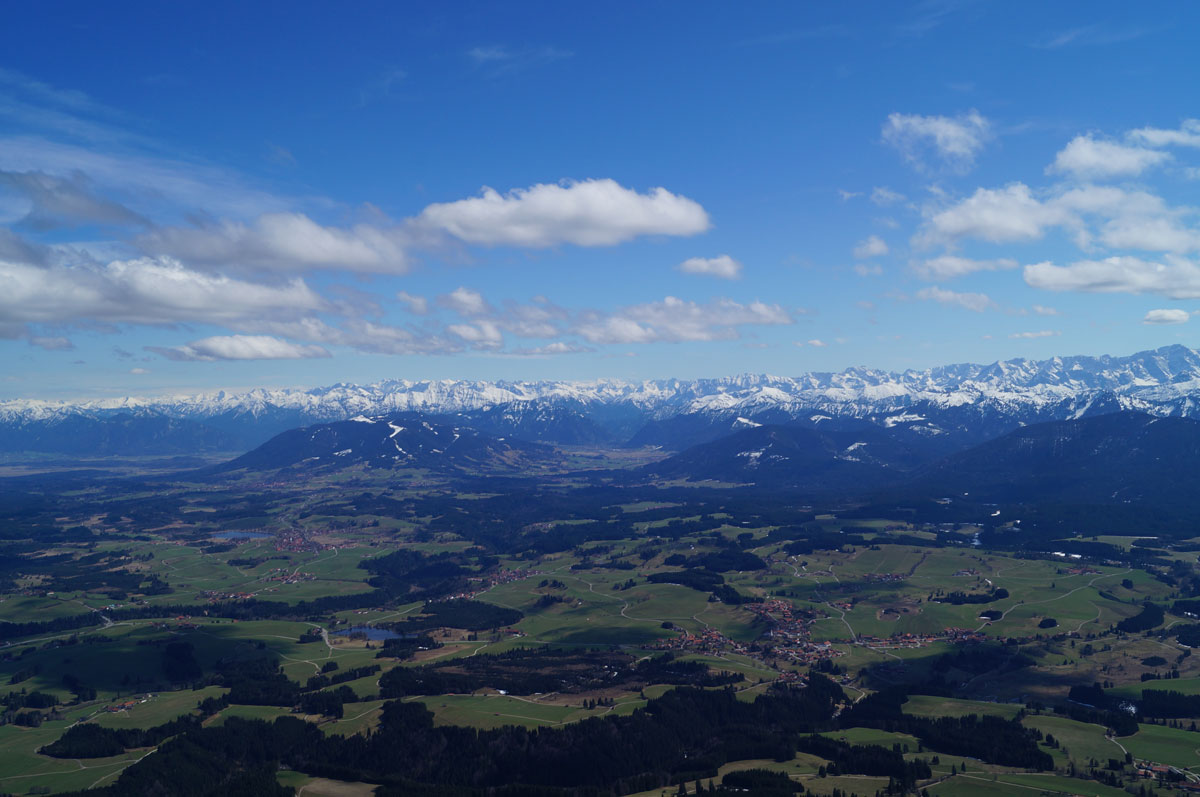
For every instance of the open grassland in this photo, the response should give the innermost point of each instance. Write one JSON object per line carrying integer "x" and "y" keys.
{"x": 1078, "y": 742}
{"x": 1163, "y": 745}
{"x": 928, "y": 706}
{"x": 22, "y": 769}
{"x": 973, "y": 784}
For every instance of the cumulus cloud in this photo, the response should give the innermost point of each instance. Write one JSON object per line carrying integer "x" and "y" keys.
{"x": 1176, "y": 279}
{"x": 676, "y": 320}
{"x": 1116, "y": 217}
{"x": 976, "y": 302}
{"x": 143, "y": 291}
{"x": 586, "y": 213}
{"x": 1188, "y": 135}
{"x": 951, "y": 266}
{"x": 1042, "y": 333}
{"x": 873, "y": 246}
{"x": 1086, "y": 157}
{"x": 481, "y": 334}
{"x": 955, "y": 141}
{"x": 1166, "y": 317}
{"x": 998, "y": 215}
{"x": 1040, "y": 309}
{"x": 417, "y": 305}
{"x": 722, "y": 266}
{"x": 240, "y": 347}
{"x": 550, "y": 349}
{"x": 1160, "y": 233}
{"x": 284, "y": 242}
{"x": 465, "y": 301}
{"x": 863, "y": 270}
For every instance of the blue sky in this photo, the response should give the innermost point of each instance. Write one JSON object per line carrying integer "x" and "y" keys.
{"x": 203, "y": 196}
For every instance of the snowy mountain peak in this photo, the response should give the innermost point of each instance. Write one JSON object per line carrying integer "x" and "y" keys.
{"x": 1163, "y": 381}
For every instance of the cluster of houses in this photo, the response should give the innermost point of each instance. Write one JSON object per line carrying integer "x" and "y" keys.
{"x": 707, "y": 641}
{"x": 911, "y": 640}
{"x": 216, "y": 596}
{"x": 481, "y": 584}
{"x": 286, "y": 576}
{"x": 126, "y": 705}
{"x": 294, "y": 540}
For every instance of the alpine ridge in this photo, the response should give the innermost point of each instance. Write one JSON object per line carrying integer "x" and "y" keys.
{"x": 944, "y": 408}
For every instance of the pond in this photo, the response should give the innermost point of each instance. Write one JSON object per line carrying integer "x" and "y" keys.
{"x": 373, "y": 634}
{"x": 242, "y": 535}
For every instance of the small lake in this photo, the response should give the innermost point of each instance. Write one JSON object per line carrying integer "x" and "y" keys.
{"x": 242, "y": 535}
{"x": 373, "y": 634}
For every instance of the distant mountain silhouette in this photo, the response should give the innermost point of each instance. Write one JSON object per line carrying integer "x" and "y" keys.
{"x": 404, "y": 440}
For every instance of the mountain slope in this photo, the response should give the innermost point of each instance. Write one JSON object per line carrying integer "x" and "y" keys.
{"x": 1115, "y": 458}
{"x": 795, "y": 457}
{"x": 121, "y": 434}
{"x": 396, "y": 441}
{"x": 942, "y": 409}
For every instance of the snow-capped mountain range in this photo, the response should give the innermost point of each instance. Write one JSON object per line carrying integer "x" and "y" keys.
{"x": 958, "y": 404}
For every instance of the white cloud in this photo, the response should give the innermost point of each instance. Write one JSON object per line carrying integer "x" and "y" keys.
{"x": 499, "y": 60}
{"x": 818, "y": 343}
{"x": 417, "y": 305}
{"x": 722, "y": 266}
{"x": 615, "y": 329}
{"x": 951, "y": 266}
{"x": 1090, "y": 35}
{"x": 60, "y": 201}
{"x": 676, "y": 320}
{"x": 1162, "y": 233}
{"x": 863, "y": 270}
{"x": 240, "y": 347}
{"x": 587, "y": 213}
{"x": 1088, "y": 158}
{"x": 139, "y": 371}
{"x": 284, "y": 242}
{"x": 1039, "y": 309}
{"x": 465, "y": 301}
{"x": 1114, "y": 216}
{"x": 846, "y": 196}
{"x": 1043, "y": 333}
{"x": 884, "y": 196}
{"x": 1188, "y": 135}
{"x": 144, "y": 291}
{"x": 1176, "y": 279}
{"x": 1166, "y": 317}
{"x": 152, "y": 187}
{"x": 976, "y": 302}
{"x": 56, "y": 343}
{"x": 873, "y": 246}
{"x": 998, "y": 215}
{"x": 481, "y": 334}
{"x": 550, "y": 349}
{"x": 955, "y": 141}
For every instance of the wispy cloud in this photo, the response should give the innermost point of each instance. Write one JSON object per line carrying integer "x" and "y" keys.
{"x": 794, "y": 35}
{"x": 496, "y": 60}
{"x": 1090, "y": 36}
{"x": 952, "y": 141}
{"x": 381, "y": 87}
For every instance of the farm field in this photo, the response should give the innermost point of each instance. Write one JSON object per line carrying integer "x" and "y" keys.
{"x": 872, "y": 613}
